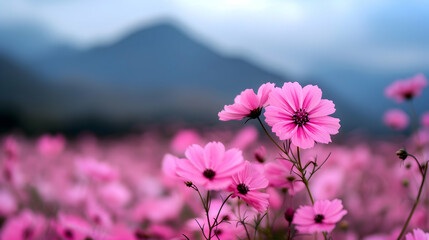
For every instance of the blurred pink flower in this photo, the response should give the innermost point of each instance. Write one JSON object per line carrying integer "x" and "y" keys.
{"x": 211, "y": 166}
{"x": 245, "y": 137}
{"x": 259, "y": 154}
{"x": 396, "y": 119}
{"x": 246, "y": 185}
{"x": 425, "y": 120}
{"x": 183, "y": 139}
{"x": 417, "y": 234}
{"x": 328, "y": 183}
{"x": 115, "y": 195}
{"x": 72, "y": 227}
{"x": 96, "y": 170}
{"x": 406, "y": 89}
{"x": 301, "y": 115}
{"x": 26, "y": 226}
{"x": 321, "y": 217}
{"x": 8, "y": 203}
{"x": 158, "y": 209}
{"x": 247, "y": 104}
{"x": 11, "y": 148}
{"x": 280, "y": 174}
{"x": 51, "y": 145}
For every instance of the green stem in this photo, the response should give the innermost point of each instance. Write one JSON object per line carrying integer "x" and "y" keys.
{"x": 269, "y": 136}
{"x": 404, "y": 228}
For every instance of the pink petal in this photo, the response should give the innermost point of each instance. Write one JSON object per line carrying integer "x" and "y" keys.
{"x": 312, "y": 96}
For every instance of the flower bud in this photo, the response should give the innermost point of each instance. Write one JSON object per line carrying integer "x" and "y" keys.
{"x": 402, "y": 154}
{"x": 405, "y": 182}
{"x": 188, "y": 184}
{"x": 289, "y": 214}
{"x": 343, "y": 225}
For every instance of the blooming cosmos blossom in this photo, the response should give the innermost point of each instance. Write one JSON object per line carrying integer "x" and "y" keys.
{"x": 247, "y": 104}
{"x": 301, "y": 115}
{"x": 211, "y": 166}
{"x": 406, "y": 89}
{"x": 417, "y": 234}
{"x": 396, "y": 119}
{"x": 280, "y": 174}
{"x": 246, "y": 185}
{"x": 321, "y": 217}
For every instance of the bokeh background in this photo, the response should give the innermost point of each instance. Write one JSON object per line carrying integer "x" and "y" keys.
{"x": 111, "y": 66}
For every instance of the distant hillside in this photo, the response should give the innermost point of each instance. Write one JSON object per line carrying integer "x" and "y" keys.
{"x": 161, "y": 57}
{"x": 156, "y": 74}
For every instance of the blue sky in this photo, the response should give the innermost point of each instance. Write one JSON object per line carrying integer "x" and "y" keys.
{"x": 289, "y": 36}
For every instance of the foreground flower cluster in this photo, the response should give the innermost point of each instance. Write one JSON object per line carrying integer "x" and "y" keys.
{"x": 217, "y": 184}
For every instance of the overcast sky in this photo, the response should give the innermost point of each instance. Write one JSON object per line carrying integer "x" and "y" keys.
{"x": 290, "y": 36}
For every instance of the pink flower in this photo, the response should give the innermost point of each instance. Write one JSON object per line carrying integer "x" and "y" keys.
{"x": 321, "y": 217}
{"x": 396, "y": 119}
{"x": 96, "y": 170}
{"x": 26, "y": 226}
{"x": 245, "y": 185}
{"x": 406, "y": 89}
{"x": 301, "y": 115}
{"x": 247, "y": 104}
{"x": 183, "y": 139}
{"x": 417, "y": 234}
{"x": 425, "y": 120}
{"x": 211, "y": 166}
{"x": 51, "y": 145}
{"x": 280, "y": 174}
{"x": 72, "y": 227}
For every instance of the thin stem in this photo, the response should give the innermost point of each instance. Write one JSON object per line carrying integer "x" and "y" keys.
{"x": 418, "y": 163}
{"x": 304, "y": 179}
{"x": 269, "y": 136}
{"x": 404, "y": 228}
{"x": 207, "y": 214}
{"x": 220, "y": 209}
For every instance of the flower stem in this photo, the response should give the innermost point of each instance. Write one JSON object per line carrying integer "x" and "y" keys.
{"x": 269, "y": 136}
{"x": 404, "y": 228}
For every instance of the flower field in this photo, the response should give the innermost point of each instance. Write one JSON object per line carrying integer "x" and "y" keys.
{"x": 283, "y": 175}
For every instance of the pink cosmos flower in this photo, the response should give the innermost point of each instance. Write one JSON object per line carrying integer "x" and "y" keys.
{"x": 280, "y": 174}
{"x": 211, "y": 166}
{"x": 247, "y": 104}
{"x": 26, "y": 226}
{"x": 96, "y": 170}
{"x": 417, "y": 234}
{"x": 425, "y": 120}
{"x": 246, "y": 185}
{"x": 51, "y": 145}
{"x": 183, "y": 139}
{"x": 72, "y": 227}
{"x": 396, "y": 119}
{"x": 406, "y": 89}
{"x": 301, "y": 115}
{"x": 321, "y": 217}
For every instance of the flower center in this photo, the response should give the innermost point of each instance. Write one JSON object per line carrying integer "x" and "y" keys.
{"x": 255, "y": 113}
{"x": 300, "y": 117}
{"x": 208, "y": 173}
{"x": 319, "y": 218}
{"x": 243, "y": 189}
{"x": 28, "y": 233}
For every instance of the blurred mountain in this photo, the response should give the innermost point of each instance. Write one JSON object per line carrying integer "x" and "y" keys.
{"x": 29, "y": 41}
{"x": 154, "y": 74}
{"x": 158, "y": 57}
{"x": 158, "y": 73}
